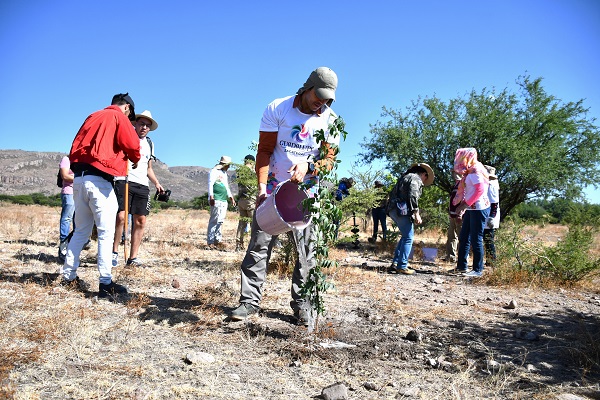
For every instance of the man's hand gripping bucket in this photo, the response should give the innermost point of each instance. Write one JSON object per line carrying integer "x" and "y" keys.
{"x": 283, "y": 210}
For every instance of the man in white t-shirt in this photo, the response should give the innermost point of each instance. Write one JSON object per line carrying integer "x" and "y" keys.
{"x": 138, "y": 194}
{"x": 288, "y": 150}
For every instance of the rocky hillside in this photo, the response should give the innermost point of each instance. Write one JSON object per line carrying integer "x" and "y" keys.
{"x": 25, "y": 172}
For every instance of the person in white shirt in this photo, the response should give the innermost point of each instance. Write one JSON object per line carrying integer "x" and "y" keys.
{"x": 288, "y": 150}
{"x": 218, "y": 193}
{"x": 138, "y": 194}
{"x": 493, "y": 221}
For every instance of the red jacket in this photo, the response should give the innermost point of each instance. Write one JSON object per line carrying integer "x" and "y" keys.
{"x": 106, "y": 140}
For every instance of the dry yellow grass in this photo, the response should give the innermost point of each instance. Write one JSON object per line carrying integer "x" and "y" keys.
{"x": 57, "y": 344}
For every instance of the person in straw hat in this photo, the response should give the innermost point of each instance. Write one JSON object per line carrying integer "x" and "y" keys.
{"x": 403, "y": 208}
{"x": 218, "y": 194}
{"x": 493, "y": 221}
{"x": 138, "y": 196}
{"x": 288, "y": 150}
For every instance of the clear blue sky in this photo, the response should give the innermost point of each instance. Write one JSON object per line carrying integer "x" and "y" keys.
{"x": 207, "y": 70}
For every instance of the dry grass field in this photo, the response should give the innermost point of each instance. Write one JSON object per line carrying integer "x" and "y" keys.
{"x": 426, "y": 336}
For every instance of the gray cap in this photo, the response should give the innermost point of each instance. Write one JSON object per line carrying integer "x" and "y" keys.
{"x": 325, "y": 82}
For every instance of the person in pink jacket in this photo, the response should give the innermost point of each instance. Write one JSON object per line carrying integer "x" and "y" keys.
{"x": 473, "y": 207}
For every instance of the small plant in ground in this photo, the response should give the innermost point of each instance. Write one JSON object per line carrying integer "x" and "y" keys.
{"x": 325, "y": 212}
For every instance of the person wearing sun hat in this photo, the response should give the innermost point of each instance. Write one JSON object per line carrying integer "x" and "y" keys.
{"x": 246, "y": 180}
{"x": 288, "y": 150}
{"x": 403, "y": 208}
{"x": 218, "y": 194}
{"x": 138, "y": 192}
{"x": 493, "y": 221}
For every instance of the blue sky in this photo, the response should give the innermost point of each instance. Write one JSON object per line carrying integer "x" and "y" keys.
{"x": 207, "y": 70}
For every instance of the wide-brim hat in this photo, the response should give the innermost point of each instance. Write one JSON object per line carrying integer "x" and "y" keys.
{"x": 148, "y": 115}
{"x": 430, "y": 174}
{"x": 225, "y": 160}
{"x": 491, "y": 171}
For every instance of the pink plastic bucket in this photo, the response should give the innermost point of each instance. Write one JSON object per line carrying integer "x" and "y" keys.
{"x": 282, "y": 210}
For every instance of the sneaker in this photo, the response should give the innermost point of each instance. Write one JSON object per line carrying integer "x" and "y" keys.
{"x": 115, "y": 259}
{"x": 372, "y": 240}
{"x": 473, "y": 274}
{"x": 111, "y": 290}
{"x": 243, "y": 311}
{"x": 135, "y": 263}
{"x": 62, "y": 250}
{"x": 75, "y": 284}
{"x": 457, "y": 271}
{"x": 406, "y": 271}
{"x": 302, "y": 317}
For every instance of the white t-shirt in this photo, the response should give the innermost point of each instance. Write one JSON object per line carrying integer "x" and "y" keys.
{"x": 140, "y": 174}
{"x": 494, "y": 196}
{"x": 483, "y": 202}
{"x": 295, "y": 137}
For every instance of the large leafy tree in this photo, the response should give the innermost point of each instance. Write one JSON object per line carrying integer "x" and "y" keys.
{"x": 540, "y": 146}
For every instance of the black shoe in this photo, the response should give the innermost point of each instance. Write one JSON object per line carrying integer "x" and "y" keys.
{"x": 75, "y": 284}
{"x": 112, "y": 290}
{"x": 457, "y": 271}
{"x": 243, "y": 311}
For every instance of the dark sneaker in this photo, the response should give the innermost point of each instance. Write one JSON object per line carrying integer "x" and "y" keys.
{"x": 115, "y": 259}
{"x": 135, "y": 263}
{"x": 87, "y": 245}
{"x": 372, "y": 240}
{"x": 457, "y": 271}
{"x": 75, "y": 284}
{"x": 111, "y": 290}
{"x": 302, "y": 317}
{"x": 243, "y": 311}
{"x": 62, "y": 250}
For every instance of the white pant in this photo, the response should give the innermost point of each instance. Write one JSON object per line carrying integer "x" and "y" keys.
{"x": 217, "y": 217}
{"x": 95, "y": 201}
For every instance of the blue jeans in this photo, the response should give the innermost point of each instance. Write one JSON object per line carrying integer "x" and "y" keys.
{"x": 66, "y": 215}
{"x": 405, "y": 225}
{"x": 472, "y": 233}
{"x": 379, "y": 216}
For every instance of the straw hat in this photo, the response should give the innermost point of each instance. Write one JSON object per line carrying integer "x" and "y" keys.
{"x": 491, "y": 171}
{"x": 430, "y": 174}
{"x": 225, "y": 160}
{"x": 148, "y": 115}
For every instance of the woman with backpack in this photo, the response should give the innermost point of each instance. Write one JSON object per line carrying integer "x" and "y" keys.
{"x": 403, "y": 208}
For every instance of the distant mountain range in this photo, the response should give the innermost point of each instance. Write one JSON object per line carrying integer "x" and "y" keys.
{"x": 26, "y": 172}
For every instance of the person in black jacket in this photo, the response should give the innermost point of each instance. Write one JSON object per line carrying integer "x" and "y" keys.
{"x": 403, "y": 208}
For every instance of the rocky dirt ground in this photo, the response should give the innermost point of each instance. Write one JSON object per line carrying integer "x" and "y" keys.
{"x": 427, "y": 336}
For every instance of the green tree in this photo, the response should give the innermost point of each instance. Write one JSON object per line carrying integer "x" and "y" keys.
{"x": 541, "y": 147}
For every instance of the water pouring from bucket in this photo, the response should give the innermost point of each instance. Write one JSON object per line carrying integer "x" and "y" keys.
{"x": 283, "y": 211}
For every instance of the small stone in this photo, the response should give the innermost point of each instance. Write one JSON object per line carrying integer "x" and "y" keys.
{"x": 296, "y": 363}
{"x": 511, "y": 305}
{"x": 414, "y": 336}
{"x": 409, "y": 391}
{"x": 525, "y": 335}
{"x": 337, "y": 391}
{"x": 569, "y": 396}
{"x": 175, "y": 283}
{"x": 370, "y": 385}
{"x": 200, "y": 357}
{"x": 437, "y": 280}
{"x": 531, "y": 368}
{"x": 234, "y": 377}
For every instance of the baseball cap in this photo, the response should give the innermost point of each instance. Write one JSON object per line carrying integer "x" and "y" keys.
{"x": 249, "y": 157}
{"x": 324, "y": 81}
{"x": 127, "y": 99}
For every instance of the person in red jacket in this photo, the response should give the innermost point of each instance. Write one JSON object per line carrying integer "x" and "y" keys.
{"x": 99, "y": 152}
